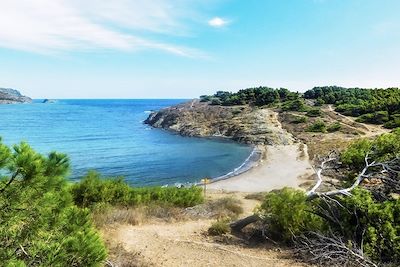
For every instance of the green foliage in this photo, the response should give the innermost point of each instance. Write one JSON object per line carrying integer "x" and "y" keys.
{"x": 375, "y": 224}
{"x": 319, "y": 102}
{"x": 219, "y": 227}
{"x": 384, "y": 147}
{"x": 39, "y": 224}
{"x": 295, "y": 105}
{"x": 93, "y": 190}
{"x": 259, "y": 96}
{"x": 299, "y": 119}
{"x": 334, "y": 127}
{"x": 216, "y": 101}
{"x": 315, "y": 112}
{"x": 317, "y": 126}
{"x": 287, "y": 213}
{"x": 379, "y": 117}
{"x": 379, "y": 106}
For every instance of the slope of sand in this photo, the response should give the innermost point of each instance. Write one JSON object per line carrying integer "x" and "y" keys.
{"x": 280, "y": 166}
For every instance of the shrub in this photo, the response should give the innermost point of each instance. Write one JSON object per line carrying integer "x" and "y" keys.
{"x": 384, "y": 147}
{"x": 319, "y": 102}
{"x": 314, "y": 112}
{"x": 287, "y": 213}
{"x": 378, "y": 117}
{"x": 94, "y": 189}
{"x": 216, "y": 101}
{"x": 219, "y": 227}
{"x": 318, "y": 126}
{"x": 294, "y": 105}
{"x": 334, "y": 127}
{"x": 374, "y": 224}
{"x": 299, "y": 119}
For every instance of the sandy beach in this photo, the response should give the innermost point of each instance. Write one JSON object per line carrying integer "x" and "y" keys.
{"x": 279, "y": 166}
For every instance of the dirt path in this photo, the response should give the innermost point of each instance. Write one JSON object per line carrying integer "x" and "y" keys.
{"x": 187, "y": 244}
{"x": 369, "y": 130}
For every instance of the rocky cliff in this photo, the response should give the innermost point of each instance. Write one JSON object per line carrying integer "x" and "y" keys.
{"x": 243, "y": 124}
{"x": 12, "y": 96}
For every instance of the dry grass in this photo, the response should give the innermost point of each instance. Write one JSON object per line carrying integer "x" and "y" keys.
{"x": 136, "y": 215}
{"x": 219, "y": 227}
{"x": 226, "y": 207}
{"x": 256, "y": 196}
{"x": 119, "y": 256}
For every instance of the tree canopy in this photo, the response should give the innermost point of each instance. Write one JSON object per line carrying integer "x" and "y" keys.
{"x": 39, "y": 223}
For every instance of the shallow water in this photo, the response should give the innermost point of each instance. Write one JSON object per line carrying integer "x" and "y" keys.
{"x": 109, "y": 136}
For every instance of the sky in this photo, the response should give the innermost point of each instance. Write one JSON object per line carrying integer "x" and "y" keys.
{"x": 186, "y": 48}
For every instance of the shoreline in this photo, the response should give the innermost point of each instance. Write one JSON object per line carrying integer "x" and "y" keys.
{"x": 279, "y": 166}
{"x": 253, "y": 160}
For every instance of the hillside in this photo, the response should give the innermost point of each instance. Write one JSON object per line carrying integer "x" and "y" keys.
{"x": 243, "y": 123}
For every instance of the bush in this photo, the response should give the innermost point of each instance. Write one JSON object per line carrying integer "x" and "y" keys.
{"x": 318, "y": 126}
{"x": 93, "y": 189}
{"x": 299, "y": 119}
{"x": 314, "y": 113}
{"x": 216, "y": 101}
{"x": 219, "y": 227}
{"x": 319, "y": 102}
{"x": 384, "y": 147}
{"x": 287, "y": 213}
{"x": 379, "y": 117}
{"x": 374, "y": 224}
{"x": 334, "y": 127}
{"x": 294, "y": 105}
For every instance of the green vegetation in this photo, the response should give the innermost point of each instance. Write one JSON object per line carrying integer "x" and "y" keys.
{"x": 315, "y": 112}
{"x": 317, "y": 127}
{"x": 295, "y": 105}
{"x": 378, "y": 106}
{"x": 39, "y": 223}
{"x": 219, "y": 227}
{"x": 259, "y": 96}
{"x": 287, "y": 213}
{"x": 94, "y": 190}
{"x": 334, "y": 127}
{"x": 369, "y": 218}
{"x": 385, "y": 147}
{"x": 46, "y": 221}
{"x": 299, "y": 119}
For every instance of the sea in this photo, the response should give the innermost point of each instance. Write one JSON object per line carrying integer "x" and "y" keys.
{"x": 109, "y": 136}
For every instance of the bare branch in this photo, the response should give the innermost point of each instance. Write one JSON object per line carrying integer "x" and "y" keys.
{"x": 330, "y": 251}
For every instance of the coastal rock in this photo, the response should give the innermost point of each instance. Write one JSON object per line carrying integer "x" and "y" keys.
{"x": 49, "y": 101}
{"x": 12, "y": 96}
{"x": 243, "y": 124}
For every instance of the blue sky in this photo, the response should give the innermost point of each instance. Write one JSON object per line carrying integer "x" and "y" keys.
{"x": 185, "y": 48}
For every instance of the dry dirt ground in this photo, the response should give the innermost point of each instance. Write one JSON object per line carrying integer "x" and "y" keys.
{"x": 186, "y": 243}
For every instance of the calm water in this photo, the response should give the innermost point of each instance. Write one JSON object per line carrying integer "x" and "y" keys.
{"x": 109, "y": 136}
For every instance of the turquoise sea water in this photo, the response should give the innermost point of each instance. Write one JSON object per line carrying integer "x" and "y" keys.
{"x": 110, "y": 137}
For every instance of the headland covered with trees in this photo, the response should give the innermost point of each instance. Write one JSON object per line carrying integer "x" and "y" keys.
{"x": 377, "y": 106}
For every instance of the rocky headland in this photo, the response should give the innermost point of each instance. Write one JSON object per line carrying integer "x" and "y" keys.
{"x": 244, "y": 124}
{"x": 12, "y": 96}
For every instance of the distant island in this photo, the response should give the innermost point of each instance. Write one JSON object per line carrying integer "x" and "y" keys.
{"x": 12, "y": 96}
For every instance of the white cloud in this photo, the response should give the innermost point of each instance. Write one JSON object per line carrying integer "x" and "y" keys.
{"x": 48, "y": 26}
{"x": 218, "y": 22}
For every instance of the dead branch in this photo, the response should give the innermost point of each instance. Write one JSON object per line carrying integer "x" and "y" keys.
{"x": 387, "y": 172}
{"x": 240, "y": 224}
{"x": 330, "y": 251}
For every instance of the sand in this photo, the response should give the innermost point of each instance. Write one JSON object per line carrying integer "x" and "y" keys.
{"x": 280, "y": 166}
